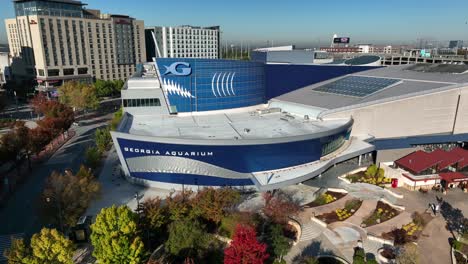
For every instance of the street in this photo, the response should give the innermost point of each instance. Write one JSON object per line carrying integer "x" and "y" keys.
{"x": 21, "y": 214}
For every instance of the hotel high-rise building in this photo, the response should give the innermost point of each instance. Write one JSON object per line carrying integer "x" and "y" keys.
{"x": 59, "y": 40}
{"x": 183, "y": 42}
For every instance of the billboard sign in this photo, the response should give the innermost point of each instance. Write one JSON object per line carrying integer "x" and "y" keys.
{"x": 341, "y": 40}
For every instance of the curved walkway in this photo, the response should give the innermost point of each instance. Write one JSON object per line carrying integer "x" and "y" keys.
{"x": 367, "y": 207}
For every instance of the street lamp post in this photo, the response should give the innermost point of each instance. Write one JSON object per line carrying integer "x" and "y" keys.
{"x": 137, "y": 200}
{"x": 48, "y": 199}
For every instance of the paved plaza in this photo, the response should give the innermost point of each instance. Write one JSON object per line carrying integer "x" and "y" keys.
{"x": 340, "y": 238}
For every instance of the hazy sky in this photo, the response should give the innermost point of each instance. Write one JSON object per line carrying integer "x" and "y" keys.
{"x": 299, "y": 22}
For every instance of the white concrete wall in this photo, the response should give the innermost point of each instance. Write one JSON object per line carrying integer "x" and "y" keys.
{"x": 419, "y": 115}
{"x": 461, "y": 123}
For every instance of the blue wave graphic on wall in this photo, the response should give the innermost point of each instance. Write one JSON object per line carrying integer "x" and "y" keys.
{"x": 223, "y": 81}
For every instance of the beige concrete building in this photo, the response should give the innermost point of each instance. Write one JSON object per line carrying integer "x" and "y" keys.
{"x": 60, "y": 40}
{"x": 183, "y": 42}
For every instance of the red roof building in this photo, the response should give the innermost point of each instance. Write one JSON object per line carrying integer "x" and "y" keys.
{"x": 451, "y": 177}
{"x": 420, "y": 162}
{"x": 463, "y": 153}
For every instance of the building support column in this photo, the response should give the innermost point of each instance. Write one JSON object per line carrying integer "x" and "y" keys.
{"x": 360, "y": 160}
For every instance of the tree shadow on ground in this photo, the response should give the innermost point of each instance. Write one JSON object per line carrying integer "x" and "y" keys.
{"x": 312, "y": 250}
{"x": 454, "y": 218}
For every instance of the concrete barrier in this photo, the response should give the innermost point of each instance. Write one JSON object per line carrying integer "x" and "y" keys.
{"x": 380, "y": 240}
{"x": 397, "y": 195}
{"x": 399, "y": 207}
{"x": 318, "y": 221}
{"x": 337, "y": 190}
{"x": 343, "y": 178}
{"x": 294, "y": 223}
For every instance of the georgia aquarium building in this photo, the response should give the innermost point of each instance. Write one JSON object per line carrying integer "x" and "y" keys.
{"x": 206, "y": 122}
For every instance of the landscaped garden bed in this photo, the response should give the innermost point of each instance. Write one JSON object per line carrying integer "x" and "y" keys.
{"x": 460, "y": 258}
{"x": 409, "y": 232}
{"x": 342, "y": 214}
{"x": 460, "y": 247}
{"x": 326, "y": 198}
{"x": 372, "y": 175}
{"x": 388, "y": 253}
{"x": 383, "y": 212}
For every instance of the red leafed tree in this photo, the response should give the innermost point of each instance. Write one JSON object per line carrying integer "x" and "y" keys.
{"x": 245, "y": 248}
{"x": 39, "y": 103}
{"x": 39, "y": 137}
{"x": 279, "y": 206}
{"x": 59, "y": 116}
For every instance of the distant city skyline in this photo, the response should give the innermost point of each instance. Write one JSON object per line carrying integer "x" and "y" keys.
{"x": 304, "y": 23}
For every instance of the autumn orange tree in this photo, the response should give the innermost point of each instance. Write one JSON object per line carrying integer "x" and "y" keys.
{"x": 67, "y": 196}
{"x": 78, "y": 95}
{"x": 212, "y": 204}
{"x": 179, "y": 205}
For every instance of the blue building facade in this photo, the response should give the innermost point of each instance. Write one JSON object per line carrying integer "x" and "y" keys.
{"x": 209, "y": 84}
{"x": 196, "y": 85}
{"x": 239, "y": 159}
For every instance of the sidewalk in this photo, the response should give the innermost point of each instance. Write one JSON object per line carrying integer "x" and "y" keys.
{"x": 367, "y": 207}
{"x": 116, "y": 190}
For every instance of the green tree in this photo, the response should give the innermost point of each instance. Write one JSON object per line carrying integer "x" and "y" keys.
{"x": 115, "y": 236}
{"x": 93, "y": 157}
{"x": 103, "y": 88}
{"x": 359, "y": 256}
{"x": 186, "y": 238}
{"x": 279, "y": 244}
{"x": 78, "y": 95}
{"x": 67, "y": 196}
{"x": 116, "y": 119}
{"x": 50, "y": 246}
{"x": 18, "y": 253}
{"x": 103, "y": 138}
{"x": 118, "y": 85}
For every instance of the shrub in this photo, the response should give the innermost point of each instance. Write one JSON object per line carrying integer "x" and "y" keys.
{"x": 103, "y": 138}
{"x": 92, "y": 157}
{"x": 399, "y": 236}
{"x": 116, "y": 119}
{"x": 457, "y": 245}
{"x": 229, "y": 222}
{"x": 418, "y": 219}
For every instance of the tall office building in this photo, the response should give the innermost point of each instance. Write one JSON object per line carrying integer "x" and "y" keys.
{"x": 183, "y": 42}
{"x": 455, "y": 44}
{"x": 60, "y": 40}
